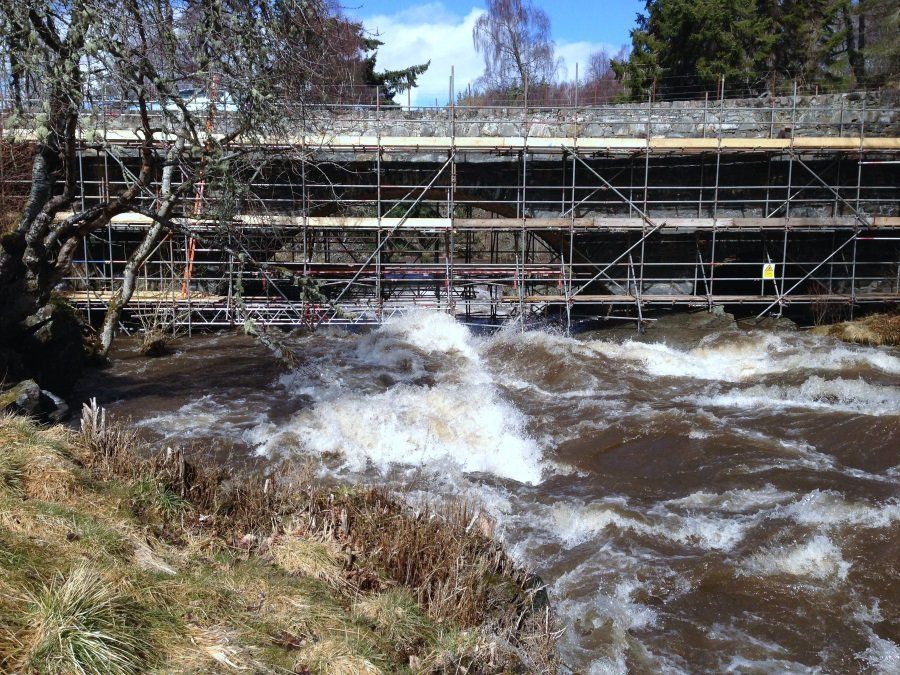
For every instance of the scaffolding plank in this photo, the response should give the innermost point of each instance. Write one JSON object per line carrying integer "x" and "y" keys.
{"x": 347, "y": 142}
{"x": 581, "y": 224}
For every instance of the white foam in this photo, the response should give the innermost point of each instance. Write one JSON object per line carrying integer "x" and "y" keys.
{"x": 418, "y": 426}
{"x": 827, "y": 509}
{"x": 204, "y": 414}
{"x": 818, "y": 558}
{"x": 460, "y": 420}
{"x": 743, "y": 357}
{"x": 425, "y": 330}
{"x": 611, "y": 607}
{"x": 882, "y": 655}
{"x": 839, "y": 395}
{"x": 740, "y": 664}
{"x": 574, "y": 525}
{"x": 734, "y": 501}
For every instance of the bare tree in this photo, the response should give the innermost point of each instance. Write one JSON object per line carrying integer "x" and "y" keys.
{"x": 514, "y": 38}
{"x": 61, "y": 54}
{"x": 601, "y": 85}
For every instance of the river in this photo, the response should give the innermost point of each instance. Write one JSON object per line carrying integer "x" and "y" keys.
{"x": 716, "y": 500}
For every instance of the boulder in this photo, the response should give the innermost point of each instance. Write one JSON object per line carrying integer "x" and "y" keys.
{"x": 27, "y": 398}
{"x": 770, "y": 323}
{"x": 23, "y": 398}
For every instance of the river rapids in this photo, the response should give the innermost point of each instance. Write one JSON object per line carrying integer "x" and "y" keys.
{"x": 719, "y": 502}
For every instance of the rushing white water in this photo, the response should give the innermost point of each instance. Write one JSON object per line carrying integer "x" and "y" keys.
{"x": 742, "y": 358}
{"x": 455, "y": 416}
{"x": 688, "y": 506}
{"x": 818, "y": 558}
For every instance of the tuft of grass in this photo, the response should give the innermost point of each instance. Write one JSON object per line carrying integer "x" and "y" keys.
{"x": 150, "y": 496}
{"x": 397, "y": 620}
{"x": 12, "y": 471}
{"x": 318, "y": 559}
{"x": 34, "y": 462}
{"x": 82, "y": 623}
{"x": 335, "y": 657}
{"x": 875, "y": 330}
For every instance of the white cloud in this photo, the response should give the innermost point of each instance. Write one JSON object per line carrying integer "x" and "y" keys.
{"x": 430, "y": 31}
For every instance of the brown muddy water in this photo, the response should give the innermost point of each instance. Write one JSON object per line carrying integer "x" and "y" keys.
{"x": 718, "y": 502}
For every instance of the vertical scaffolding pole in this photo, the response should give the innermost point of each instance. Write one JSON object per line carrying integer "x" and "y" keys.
{"x": 451, "y": 197}
{"x": 379, "y": 306}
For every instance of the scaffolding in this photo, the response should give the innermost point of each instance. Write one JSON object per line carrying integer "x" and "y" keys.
{"x": 502, "y": 214}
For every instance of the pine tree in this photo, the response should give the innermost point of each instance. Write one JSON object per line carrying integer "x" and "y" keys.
{"x": 879, "y": 27}
{"x": 682, "y": 47}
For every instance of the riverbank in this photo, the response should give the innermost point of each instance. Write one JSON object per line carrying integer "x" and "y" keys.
{"x": 874, "y": 330}
{"x": 110, "y": 562}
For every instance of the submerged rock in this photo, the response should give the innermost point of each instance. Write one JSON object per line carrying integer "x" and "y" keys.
{"x": 876, "y": 330}
{"x": 770, "y": 323}
{"x": 684, "y": 330}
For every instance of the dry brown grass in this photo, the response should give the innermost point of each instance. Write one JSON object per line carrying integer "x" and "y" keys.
{"x": 256, "y": 569}
{"x": 35, "y": 465}
{"x": 317, "y": 558}
{"x": 335, "y": 657}
{"x": 875, "y": 330}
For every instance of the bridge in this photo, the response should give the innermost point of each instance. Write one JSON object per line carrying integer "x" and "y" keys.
{"x": 496, "y": 214}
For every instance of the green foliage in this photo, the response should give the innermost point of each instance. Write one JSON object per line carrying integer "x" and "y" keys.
{"x": 391, "y": 82}
{"x": 151, "y": 497}
{"x": 682, "y": 48}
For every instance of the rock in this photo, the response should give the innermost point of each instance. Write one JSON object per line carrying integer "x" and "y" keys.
{"x": 27, "y": 398}
{"x": 54, "y": 408}
{"x": 24, "y": 398}
{"x": 145, "y": 559}
{"x": 679, "y": 329}
{"x": 536, "y": 589}
{"x": 771, "y": 323}
{"x": 693, "y": 324}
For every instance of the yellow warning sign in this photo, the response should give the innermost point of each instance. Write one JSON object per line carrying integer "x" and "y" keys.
{"x": 768, "y": 271}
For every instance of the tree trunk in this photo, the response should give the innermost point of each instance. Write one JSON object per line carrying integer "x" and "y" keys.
{"x": 137, "y": 259}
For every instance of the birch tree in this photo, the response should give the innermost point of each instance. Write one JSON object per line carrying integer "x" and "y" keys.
{"x": 515, "y": 40}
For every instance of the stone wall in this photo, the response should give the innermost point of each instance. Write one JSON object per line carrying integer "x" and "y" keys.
{"x": 874, "y": 114}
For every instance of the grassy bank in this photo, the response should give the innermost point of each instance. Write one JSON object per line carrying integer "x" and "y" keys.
{"x": 111, "y": 563}
{"x": 875, "y": 330}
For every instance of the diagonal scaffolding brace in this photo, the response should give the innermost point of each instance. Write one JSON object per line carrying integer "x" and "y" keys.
{"x": 390, "y": 232}
{"x": 654, "y": 227}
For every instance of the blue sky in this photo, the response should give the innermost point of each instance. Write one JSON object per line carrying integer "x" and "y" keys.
{"x": 441, "y": 30}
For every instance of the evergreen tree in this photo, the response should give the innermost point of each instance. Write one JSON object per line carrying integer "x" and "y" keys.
{"x": 390, "y": 82}
{"x": 879, "y": 27}
{"x": 682, "y": 47}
